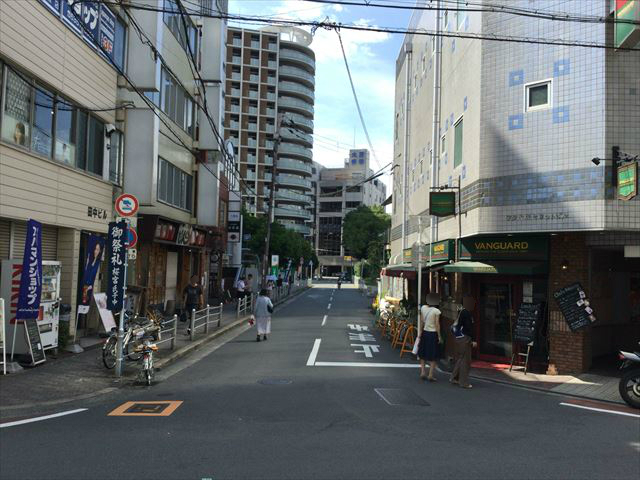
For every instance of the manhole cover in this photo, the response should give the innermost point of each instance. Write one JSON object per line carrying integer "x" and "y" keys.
{"x": 400, "y": 396}
{"x": 275, "y": 381}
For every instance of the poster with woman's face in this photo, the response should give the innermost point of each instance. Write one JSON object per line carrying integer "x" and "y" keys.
{"x": 95, "y": 247}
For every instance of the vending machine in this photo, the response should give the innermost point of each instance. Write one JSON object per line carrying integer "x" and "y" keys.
{"x": 48, "y": 316}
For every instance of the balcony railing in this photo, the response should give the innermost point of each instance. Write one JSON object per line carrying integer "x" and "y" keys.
{"x": 297, "y": 88}
{"x": 235, "y": 108}
{"x": 287, "y": 70}
{"x": 236, "y": 60}
{"x": 292, "y": 212}
{"x": 236, "y": 76}
{"x": 299, "y": 120}
{"x": 253, "y": 94}
{"x": 287, "y": 54}
{"x": 293, "y": 103}
{"x": 293, "y": 180}
{"x": 255, "y": 62}
{"x": 296, "y": 165}
{"x": 291, "y": 149}
{"x": 296, "y": 136}
{"x": 292, "y": 196}
{"x": 296, "y": 227}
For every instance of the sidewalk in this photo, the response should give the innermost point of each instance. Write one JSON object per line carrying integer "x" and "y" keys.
{"x": 68, "y": 377}
{"x": 586, "y": 385}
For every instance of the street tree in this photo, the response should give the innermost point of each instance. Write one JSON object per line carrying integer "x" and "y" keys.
{"x": 363, "y": 235}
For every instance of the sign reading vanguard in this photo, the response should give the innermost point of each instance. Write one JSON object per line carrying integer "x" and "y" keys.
{"x": 504, "y": 248}
{"x": 628, "y": 181}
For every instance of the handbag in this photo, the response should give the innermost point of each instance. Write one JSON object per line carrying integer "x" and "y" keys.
{"x": 269, "y": 309}
{"x": 455, "y": 327}
{"x": 416, "y": 345}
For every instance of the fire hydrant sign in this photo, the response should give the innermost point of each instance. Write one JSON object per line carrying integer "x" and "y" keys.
{"x": 127, "y": 205}
{"x": 116, "y": 258}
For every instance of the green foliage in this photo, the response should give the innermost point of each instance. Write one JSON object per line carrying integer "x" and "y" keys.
{"x": 288, "y": 244}
{"x": 362, "y": 236}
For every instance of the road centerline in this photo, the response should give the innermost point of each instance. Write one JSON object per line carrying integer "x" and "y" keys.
{"x": 324, "y": 320}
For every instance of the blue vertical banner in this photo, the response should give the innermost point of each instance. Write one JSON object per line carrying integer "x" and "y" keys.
{"x": 31, "y": 278}
{"x": 117, "y": 258}
{"x": 107, "y": 30}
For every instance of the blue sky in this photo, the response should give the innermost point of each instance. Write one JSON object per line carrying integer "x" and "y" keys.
{"x": 371, "y": 59}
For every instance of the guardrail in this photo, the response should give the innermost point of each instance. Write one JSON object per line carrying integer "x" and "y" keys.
{"x": 245, "y": 305}
{"x": 202, "y": 319}
{"x": 168, "y": 326}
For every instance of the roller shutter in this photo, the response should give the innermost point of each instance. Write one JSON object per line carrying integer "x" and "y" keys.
{"x": 5, "y": 239}
{"x": 49, "y": 241}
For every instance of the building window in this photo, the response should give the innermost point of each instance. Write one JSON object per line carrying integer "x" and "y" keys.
{"x": 460, "y": 15}
{"x": 115, "y": 157}
{"x": 95, "y": 146}
{"x": 177, "y": 103}
{"x": 41, "y": 138}
{"x": 16, "y": 118}
{"x": 65, "y": 138}
{"x": 457, "y": 148}
{"x": 174, "y": 186}
{"x": 120, "y": 43}
{"x": 176, "y": 21}
{"x": 538, "y": 95}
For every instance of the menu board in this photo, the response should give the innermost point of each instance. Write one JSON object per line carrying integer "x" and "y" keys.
{"x": 574, "y": 305}
{"x": 527, "y": 322}
{"x": 32, "y": 332}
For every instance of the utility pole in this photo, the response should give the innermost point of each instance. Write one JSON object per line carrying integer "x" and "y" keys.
{"x": 272, "y": 199}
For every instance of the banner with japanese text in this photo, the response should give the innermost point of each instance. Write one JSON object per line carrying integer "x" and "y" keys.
{"x": 31, "y": 277}
{"x": 117, "y": 258}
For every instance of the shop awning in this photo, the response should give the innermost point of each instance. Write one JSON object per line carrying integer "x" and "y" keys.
{"x": 434, "y": 264}
{"x": 404, "y": 270}
{"x": 498, "y": 267}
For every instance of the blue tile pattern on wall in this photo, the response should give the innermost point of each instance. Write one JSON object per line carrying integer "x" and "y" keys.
{"x": 516, "y": 77}
{"x": 516, "y": 122}
{"x": 561, "y": 114}
{"x": 465, "y": 103}
{"x": 464, "y": 172}
{"x": 561, "y": 67}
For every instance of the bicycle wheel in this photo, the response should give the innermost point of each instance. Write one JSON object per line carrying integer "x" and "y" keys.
{"x": 109, "y": 353}
{"x": 130, "y": 352}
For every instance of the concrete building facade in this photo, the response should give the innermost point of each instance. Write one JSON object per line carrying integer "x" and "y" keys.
{"x": 516, "y": 127}
{"x": 270, "y": 81}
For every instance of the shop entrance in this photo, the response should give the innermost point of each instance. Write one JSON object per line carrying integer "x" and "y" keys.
{"x": 495, "y": 309}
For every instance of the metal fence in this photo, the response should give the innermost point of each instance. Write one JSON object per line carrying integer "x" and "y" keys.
{"x": 168, "y": 327}
{"x": 203, "y": 318}
{"x": 245, "y": 305}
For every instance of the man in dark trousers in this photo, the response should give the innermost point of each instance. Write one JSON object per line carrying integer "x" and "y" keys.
{"x": 463, "y": 332}
{"x": 192, "y": 298}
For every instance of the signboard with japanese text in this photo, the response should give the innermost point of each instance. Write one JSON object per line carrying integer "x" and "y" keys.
{"x": 117, "y": 258}
{"x": 68, "y": 10}
{"x": 628, "y": 181}
{"x": 53, "y": 5}
{"x": 107, "y": 30}
{"x": 31, "y": 279}
{"x": 575, "y": 306}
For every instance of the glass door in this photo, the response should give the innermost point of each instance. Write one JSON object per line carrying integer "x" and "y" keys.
{"x": 496, "y": 308}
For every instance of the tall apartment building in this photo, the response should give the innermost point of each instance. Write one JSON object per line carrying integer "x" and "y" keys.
{"x": 341, "y": 190}
{"x": 59, "y": 164}
{"x": 270, "y": 78}
{"x": 516, "y": 126}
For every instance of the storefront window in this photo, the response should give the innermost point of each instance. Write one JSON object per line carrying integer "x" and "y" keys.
{"x": 16, "y": 118}
{"x": 65, "y": 150}
{"x": 41, "y": 139}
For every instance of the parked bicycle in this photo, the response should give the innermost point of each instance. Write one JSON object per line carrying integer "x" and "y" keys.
{"x": 136, "y": 329}
{"x": 146, "y": 350}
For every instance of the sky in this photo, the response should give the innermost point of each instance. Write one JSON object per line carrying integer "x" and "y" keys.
{"x": 372, "y": 58}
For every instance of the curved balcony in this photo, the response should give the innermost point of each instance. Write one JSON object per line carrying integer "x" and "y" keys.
{"x": 293, "y": 181}
{"x": 292, "y": 197}
{"x": 296, "y": 166}
{"x": 296, "y": 227}
{"x": 298, "y": 57}
{"x": 296, "y": 151}
{"x": 298, "y": 106}
{"x": 289, "y": 72}
{"x": 297, "y": 90}
{"x": 300, "y": 121}
{"x": 292, "y": 213}
{"x": 296, "y": 136}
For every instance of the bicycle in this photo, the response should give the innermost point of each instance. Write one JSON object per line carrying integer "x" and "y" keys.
{"x": 146, "y": 372}
{"x": 134, "y": 333}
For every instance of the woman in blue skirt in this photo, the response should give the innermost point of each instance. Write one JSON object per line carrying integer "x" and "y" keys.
{"x": 430, "y": 337}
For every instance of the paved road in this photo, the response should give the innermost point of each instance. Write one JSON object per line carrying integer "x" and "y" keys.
{"x": 328, "y": 422}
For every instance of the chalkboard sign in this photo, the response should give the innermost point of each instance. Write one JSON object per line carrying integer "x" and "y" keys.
{"x": 527, "y": 322}
{"x": 32, "y": 331}
{"x": 574, "y": 306}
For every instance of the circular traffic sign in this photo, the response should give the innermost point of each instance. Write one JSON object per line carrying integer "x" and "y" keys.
{"x": 132, "y": 237}
{"x": 126, "y": 205}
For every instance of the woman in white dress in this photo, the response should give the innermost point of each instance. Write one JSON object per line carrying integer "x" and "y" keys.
{"x": 262, "y": 311}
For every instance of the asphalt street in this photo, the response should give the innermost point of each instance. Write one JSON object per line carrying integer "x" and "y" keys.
{"x": 321, "y": 399}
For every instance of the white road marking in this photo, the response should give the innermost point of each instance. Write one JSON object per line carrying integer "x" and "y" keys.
{"x": 381, "y": 395}
{"x": 324, "y": 320}
{"x": 596, "y": 409}
{"x": 314, "y": 353}
{"x": 365, "y": 364}
{"x": 38, "y": 419}
{"x": 329, "y": 307}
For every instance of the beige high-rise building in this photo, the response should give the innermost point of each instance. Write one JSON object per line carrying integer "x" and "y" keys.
{"x": 270, "y": 75}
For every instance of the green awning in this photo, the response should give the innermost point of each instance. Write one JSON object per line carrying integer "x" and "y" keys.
{"x": 434, "y": 264}
{"x": 503, "y": 267}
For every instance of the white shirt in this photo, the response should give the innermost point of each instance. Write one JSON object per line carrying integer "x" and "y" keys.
{"x": 240, "y": 286}
{"x": 429, "y": 315}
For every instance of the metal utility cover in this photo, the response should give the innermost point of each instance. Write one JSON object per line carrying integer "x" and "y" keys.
{"x": 157, "y": 408}
{"x": 275, "y": 381}
{"x": 400, "y": 396}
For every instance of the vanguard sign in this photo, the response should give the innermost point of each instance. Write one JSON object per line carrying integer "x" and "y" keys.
{"x": 504, "y": 248}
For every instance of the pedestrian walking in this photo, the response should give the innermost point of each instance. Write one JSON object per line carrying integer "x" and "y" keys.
{"x": 192, "y": 298}
{"x": 240, "y": 286}
{"x": 464, "y": 341}
{"x": 430, "y": 337}
{"x": 262, "y": 312}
